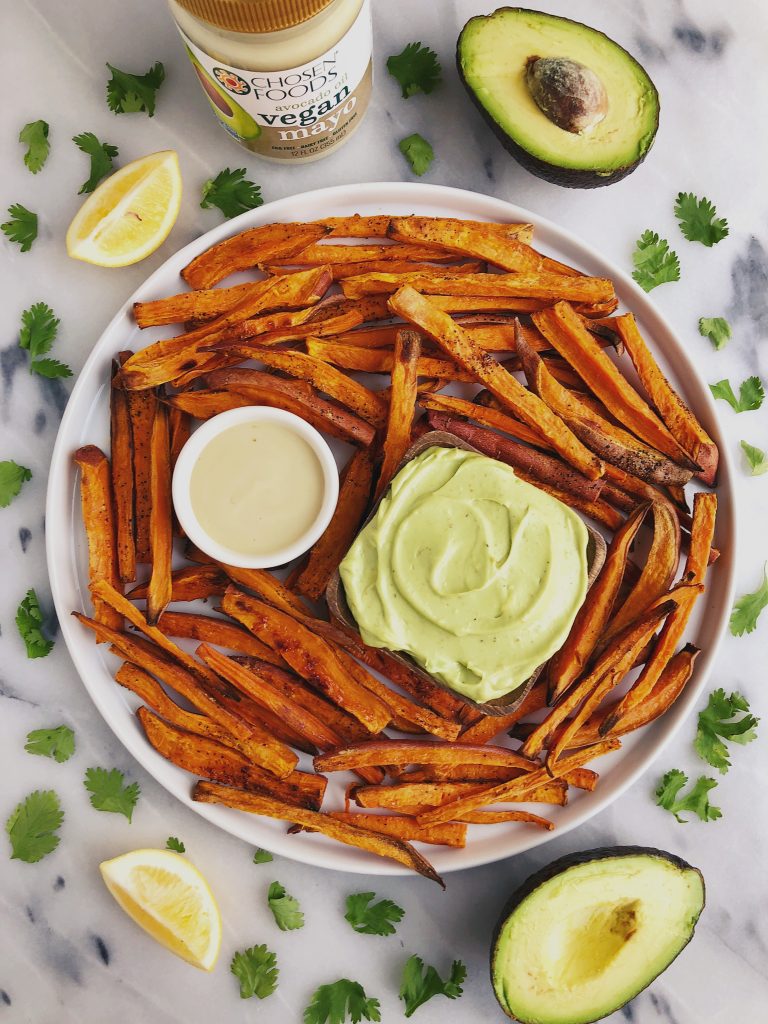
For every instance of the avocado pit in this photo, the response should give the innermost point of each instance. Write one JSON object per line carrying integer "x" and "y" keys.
{"x": 570, "y": 94}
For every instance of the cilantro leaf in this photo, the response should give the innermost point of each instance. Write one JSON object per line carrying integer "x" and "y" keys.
{"x": 129, "y": 94}
{"x": 101, "y": 153}
{"x": 12, "y": 476}
{"x": 29, "y": 621}
{"x": 232, "y": 192}
{"x": 262, "y": 856}
{"x": 50, "y": 368}
{"x": 38, "y": 332}
{"x": 35, "y": 137}
{"x": 747, "y": 609}
{"x": 108, "y": 792}
{"x": 256, "y": 969}
{"x": 758, "y": 464}
{"x": 285, "y": 908}
{"x": 696, "y": 801}
{"x": 698, "y": 221}
{"x": 341, "y": 1001}
{"x": 372, "y": 918}
{"x": 418, "y": 152}
{"x": 172, "y": 843}
{"x": 419, "y": 985}
{"x": 716, "y": 724}
{"x": 751, "y": 394}
{"x": 417, "y": 69}
{"x": 22, "y": 227}
{"x": 32, "y": 826}
{"x": 58, "y": 743}
{"x": 716, "y": 328}
{"x": 655, "y": 263}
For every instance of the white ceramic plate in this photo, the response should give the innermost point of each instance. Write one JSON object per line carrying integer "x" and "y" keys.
{"x": 86, "y": 421}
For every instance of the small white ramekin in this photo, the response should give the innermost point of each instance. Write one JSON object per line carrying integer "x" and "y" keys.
{"x": 203, "y": 436}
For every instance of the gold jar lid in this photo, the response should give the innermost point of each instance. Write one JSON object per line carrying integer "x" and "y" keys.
{"x": 254, "y": 15}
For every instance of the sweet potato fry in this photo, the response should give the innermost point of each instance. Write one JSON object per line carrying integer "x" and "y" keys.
{"x": 702, "y": 532}
{"x": 417, "y": 797}
{"x": 99, "y": 521}
{"x": 267, "y": 587}
{"x": 384, "y": 846}
{"x": 217, "y": 631}
{"x": 121, "y": 466}
{"x": 248, "y": 249}
{"x": 526, "y": 406}
{"x": 502, "y": 817}
{"x": 160, "y": 517}
{"x": 400, "y": 752}
{"x": 533, "y": 285}
{"x": 490, "y": 726}
{"x": 402, "y": 405}
{"x": 534, "y": 463}
{"x": 309, "y": 655}
{"x": 476, "y": 240}
{"x": 193, "y": 583}
{"x": 591, "y": 620}
{"x": 377, "y": 360}
{"x": 401, "y": 827}
{"x": 341, "y": 271}
{"x": 212, "y": 760}
{"x": 490, "y": 417}
{"x": 683, "y": 425}
{"x": 357, "y": 226}
{"x": 179, "y": 429}
{"x": 242, "y": 337}
{"x": 200, "y": 305}
{"x": 327, "y": 253}
{"x": 327, "y": 552}
{"x": 297, "y": 397}
{"x": 494, "y": 334}
{"x": 561, "y": 326}
{"x": 141, "y": 411}
{"x": 579, "y": 778}
{"x": 201, "y": 405}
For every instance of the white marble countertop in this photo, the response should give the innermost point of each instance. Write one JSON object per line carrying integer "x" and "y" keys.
{"x": 66, "y": 952}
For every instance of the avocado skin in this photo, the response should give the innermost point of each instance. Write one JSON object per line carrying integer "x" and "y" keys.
{"x": 567, "y": 177}
{"x": 572, "y": 860}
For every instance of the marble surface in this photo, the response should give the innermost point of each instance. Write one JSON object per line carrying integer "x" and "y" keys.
{"x": 66, "y": 952}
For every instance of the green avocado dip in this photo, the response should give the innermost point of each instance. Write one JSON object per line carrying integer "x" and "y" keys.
{"x": 470, "y": 570}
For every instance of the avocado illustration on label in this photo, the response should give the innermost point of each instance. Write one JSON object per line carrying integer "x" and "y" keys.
{"x": 237, "y": 121}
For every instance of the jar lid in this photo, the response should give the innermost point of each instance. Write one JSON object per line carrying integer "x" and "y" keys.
{"x": 254, "y": 15}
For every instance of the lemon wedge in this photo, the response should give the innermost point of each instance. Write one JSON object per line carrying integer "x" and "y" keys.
{"x": 168, "y": 897}
{"x": 130, "y": 214}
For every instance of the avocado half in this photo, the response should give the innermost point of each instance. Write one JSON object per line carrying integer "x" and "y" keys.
{"x": 495, "y": 55}
{"x": 586, "y": 934}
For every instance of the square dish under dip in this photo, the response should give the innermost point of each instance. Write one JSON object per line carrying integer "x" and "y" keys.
{"x": 337, "y": 601}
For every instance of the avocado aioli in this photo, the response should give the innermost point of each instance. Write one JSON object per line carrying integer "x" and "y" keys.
{"x": 475, "y": 573}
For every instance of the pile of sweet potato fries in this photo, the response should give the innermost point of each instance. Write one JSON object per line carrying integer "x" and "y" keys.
{"x": 433, "y": 304}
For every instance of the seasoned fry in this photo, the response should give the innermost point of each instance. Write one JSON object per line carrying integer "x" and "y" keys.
{"x": 537, "y": 285}
{"x": 200, "y": 305}
{"x": 266, "y": 586}
{"x": 490, "y": 726}
{"x": 327, "y": 552}
{"x": 399, "y": 752}
{"x": 141, "y": 411}
{"x": 401, "y": 827}
{"x": 384, "y": 846}
{"x": 217, "y": 631}
{"x": 341, "y": 271}
{"x": 297, "y": 397}
{"x": 502, "y": 817}
{"x": 492, "y": 334}
{"x": 205, "y": 403}
{"x": 376, "y": 360}
{"x": 579, "y": 778}
{"x": 99, "y": 521}
{"x": 357, "y": 226}
{"x": 242, "y": 337}
{"x": 121, "y": 466}
{"x": 402, "y": 405}
{"x": 482, "y": 414}
{"x": 193, "y": 583}
{"x": 248, "y": 249}
{"x": 681, "y": 422}
{"x": 417, "y": 797}
{"x": 160, "y": 517}
{"x": 326, "y": 253}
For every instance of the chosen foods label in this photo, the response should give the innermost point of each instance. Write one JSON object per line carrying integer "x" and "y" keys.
{"x": 297, "y": 113}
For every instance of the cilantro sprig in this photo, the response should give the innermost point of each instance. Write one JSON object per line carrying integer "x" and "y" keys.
{"x": 655, "y": 263}
{"x": 130, "y": 94}
{"x": 58, "y": 743}
{"x": 101, "y": 153}
{"x": 419, "y": 985}
{"x": 341, "y": 1001}
{"x": 756, "y": 460}
{"x": 12, "y": 478}
{"x": 369, "y": 918}
{"x": 418, "y": 152}
{"x": 35, "y": 137}
{"x": 417, "y": 69}
{"x": 256, "y": 969}
{"x": 718, "y": 722}
{"x": 716, "y": 328}
{"x": 747, "y": 609}
{"x": 285, "y": 908}
{"x": 172, "y": 843}
{"x": 29, "y": 622}
{"x": 39, "y": 327}
{"x": 22, "y": 226}
{"x": 108, "y": 792}
{"x": 33, "y": 825}
{"x": 698, "y": 220}
{"x": 696, "y": 801}
{"x": 262, "y": 856}
{"x": 231, "y": 192}
{"x": 751, "y": 394}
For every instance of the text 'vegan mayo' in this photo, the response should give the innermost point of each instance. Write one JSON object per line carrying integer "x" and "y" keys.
{"x": 288, "y": 79}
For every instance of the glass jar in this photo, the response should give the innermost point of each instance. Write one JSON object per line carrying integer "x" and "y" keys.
{"x": 288, "y": 79}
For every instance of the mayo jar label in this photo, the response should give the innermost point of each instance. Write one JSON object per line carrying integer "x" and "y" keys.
{"x": 301, "y": 112}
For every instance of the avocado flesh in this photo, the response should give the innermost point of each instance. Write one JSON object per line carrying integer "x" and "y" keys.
{"x": 588, "y": 934}
{"x": 492, "y": 55}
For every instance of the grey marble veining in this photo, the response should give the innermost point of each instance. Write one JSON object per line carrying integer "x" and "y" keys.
{"x": 66, "y": 953}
